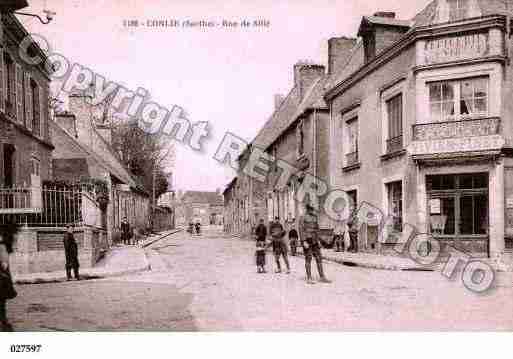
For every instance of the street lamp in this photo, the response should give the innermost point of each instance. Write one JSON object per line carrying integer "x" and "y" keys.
{"x": 49, "y": 16}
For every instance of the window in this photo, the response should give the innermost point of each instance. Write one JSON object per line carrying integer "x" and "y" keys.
{"x": 352, "y": 141}
{"x": 458, "y": 100}
{"x": 395, "y": 123}
{"x": 458, "y": 9}
{"x": 458, "y": 204}
{"x": 11, "y": 85}
{"x": 36, "y": 167}
{"x": 395, "y": 204}
{"x": 353, "y": 200}
{"x": 36, "y": 122}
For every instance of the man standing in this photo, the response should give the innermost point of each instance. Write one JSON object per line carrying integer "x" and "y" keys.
{"x": 338, "y": 235}
{"x": 261, "y": 231}
{"x": 293, "y": 238}
{"x": 125, "y": 231}
{"x": 71, "y": 253}
{"x": 279, "y": 245}
{"x": 309, "y": 237}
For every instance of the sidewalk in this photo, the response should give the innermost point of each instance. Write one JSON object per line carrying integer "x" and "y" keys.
{"x": 118, "y": 261}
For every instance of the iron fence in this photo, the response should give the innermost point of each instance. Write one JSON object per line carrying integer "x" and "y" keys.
{"x": 50, "y": 207}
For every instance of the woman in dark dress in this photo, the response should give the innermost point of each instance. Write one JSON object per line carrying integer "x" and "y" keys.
{"x": 7, "y": 233}
{"x": 71, "y": 252}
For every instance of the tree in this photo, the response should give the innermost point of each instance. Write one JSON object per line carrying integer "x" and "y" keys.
{"x": 144, "y": 154}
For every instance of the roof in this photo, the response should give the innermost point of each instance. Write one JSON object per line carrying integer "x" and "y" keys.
{"x": 379, "y": 20}
{"x": 428, "y": 16}
{"x": 313, "y": 100}
{"x": 123, "y": 177}
{"x": 212, "y": 198}
{"x": 230, "y": 185}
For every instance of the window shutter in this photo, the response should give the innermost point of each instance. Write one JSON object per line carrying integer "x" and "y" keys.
{"x": 28, "y": 104}
{"x": 19, "y": 93}
{"x": 43, "y": 113}
{"x": 2, "y": 82}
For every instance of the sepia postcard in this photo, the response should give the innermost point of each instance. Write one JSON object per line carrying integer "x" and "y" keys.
{"x": 279, "y": 167}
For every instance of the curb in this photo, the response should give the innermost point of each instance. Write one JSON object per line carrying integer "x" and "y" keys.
{"x": 160, "y": 238}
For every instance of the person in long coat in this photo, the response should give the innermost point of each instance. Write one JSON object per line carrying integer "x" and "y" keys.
{"x": 7, "y": 233}
{"x": 71, "y": 253}
{"x": 125, "y": 231}
{"x": 279, "y": 246}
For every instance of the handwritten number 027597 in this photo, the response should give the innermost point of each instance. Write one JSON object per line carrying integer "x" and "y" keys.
{"x": 26, "y": 348}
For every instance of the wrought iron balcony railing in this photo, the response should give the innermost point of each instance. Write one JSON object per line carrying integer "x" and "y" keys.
{"x": 395, "y": 144}
{"x": 352, "y": 158}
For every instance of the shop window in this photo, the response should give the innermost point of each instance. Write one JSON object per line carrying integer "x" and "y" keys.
{"x": 395, "y": 204}
{"x": 458, "y": 100}
{"x": 458, "y": 204}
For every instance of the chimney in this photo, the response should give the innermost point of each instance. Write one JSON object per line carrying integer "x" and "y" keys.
{"x": 339, "y": 49}
{"x": 106, "y": 132}
{"x": 304, "y": 76}
{"x": 278, "y": 100}
{"x": 380, "y": 31}
{"x": 67, "y": 121}
{"x": 80, "y": 107}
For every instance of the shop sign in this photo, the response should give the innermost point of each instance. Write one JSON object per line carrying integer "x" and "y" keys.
{"x": 462, "y": 144}
{"x": 456, "y": 48}
{"x": 435, "y": 206}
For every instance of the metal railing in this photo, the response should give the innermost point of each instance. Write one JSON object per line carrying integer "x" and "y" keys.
{"x": 395, "y": 144}
{"x": 50, "y": 207}
{"x": 352, "y": 158}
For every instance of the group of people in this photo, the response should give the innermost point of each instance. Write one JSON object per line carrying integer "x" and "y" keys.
{"x": 308, "y": 238}
{"x": 194, "y": 228}
{"x": 128, "y": 235}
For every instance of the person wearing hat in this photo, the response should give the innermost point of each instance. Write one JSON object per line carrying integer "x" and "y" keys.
{"x": 309, "y": 239}
{"x": 279, "y": 246}
{"x": 71, "y": 253}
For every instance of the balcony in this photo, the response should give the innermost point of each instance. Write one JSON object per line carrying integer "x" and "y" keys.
{"x": 456, "y": 129}
{"x": 465, "y": 136}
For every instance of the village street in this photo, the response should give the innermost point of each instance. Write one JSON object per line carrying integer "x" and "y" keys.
{"x": 209, "y": 283}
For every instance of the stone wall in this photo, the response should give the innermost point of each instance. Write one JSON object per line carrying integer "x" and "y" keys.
{"x": 39, "y": 249}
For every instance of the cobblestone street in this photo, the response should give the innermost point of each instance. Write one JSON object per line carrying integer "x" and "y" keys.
{"x": 210, "y": 283}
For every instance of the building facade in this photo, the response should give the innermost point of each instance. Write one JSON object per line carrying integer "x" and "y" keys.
{"x": 25, "y": 144}
{"x": 200, "y": 206}
{"x": 420, "y": 126}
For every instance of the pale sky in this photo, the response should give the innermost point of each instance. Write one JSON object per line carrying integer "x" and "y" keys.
{"x": 227, "y": 77}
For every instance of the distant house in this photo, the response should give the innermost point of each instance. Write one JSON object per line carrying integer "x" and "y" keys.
{"x": 205, "y": 207}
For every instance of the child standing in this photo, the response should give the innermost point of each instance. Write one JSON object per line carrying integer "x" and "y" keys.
{"x": 260, "y": 255}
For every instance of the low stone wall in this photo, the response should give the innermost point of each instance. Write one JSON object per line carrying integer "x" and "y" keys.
{"x": 40, "y": 249}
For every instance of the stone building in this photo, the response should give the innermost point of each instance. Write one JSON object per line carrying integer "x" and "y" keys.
{"x": 25, "y": 144}
{"x": 83, "y": 149}
{"x": 203, "y": 206}
{"x": 420, "y": 125}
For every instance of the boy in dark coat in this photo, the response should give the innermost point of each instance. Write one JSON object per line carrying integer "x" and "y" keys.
{"x": 261, "y": 234}
{"x": 71, "y": 252}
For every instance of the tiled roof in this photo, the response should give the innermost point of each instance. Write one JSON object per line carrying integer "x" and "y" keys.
{"x": 202, "y": 197}
{"x": 278, "y": 120}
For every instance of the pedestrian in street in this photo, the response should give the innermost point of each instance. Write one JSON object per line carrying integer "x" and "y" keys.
{"x": 125, "y": 231}
{"x": 260, "y": 255}
{"x": 338, "y": 235}
{"x": 309, "y": 236}
{"x": 353, "y": 234}
{"x": 279, "y": 246}
{"x": 7, "y": 290}
{"x": 198, "y": 228}
{"x": 71, "y": 253}
{"x": 261, "y": 231}
{"x": 293, "y": 238}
